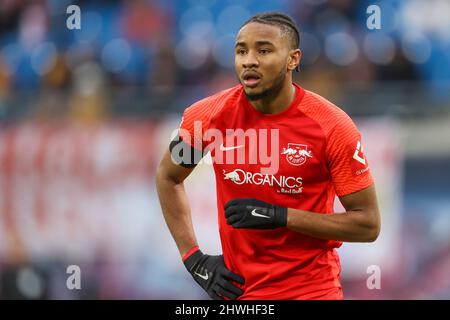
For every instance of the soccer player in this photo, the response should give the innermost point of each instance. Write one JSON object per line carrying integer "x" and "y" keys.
{"x": 277, "y": 226}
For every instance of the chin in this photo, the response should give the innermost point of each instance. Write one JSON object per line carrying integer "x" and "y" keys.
{"x": 252, "y": 91}
{"x": 254, "y": 95}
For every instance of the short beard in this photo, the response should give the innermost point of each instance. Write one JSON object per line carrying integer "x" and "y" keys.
{"x": 270, "y": 92}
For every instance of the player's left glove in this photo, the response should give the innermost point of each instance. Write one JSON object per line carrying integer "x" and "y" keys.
{"x": 255, "y": 214}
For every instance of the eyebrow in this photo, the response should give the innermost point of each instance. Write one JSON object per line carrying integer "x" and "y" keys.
{"x": 259, "y": 43}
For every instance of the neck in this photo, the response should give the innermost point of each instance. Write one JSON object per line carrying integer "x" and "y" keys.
{"x": 276, "y": 103}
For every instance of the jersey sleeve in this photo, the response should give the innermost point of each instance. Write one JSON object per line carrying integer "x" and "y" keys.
{"x": 347, "y": 163}
{"x": 194, "y": 123}
{"x": 198, "y": 118}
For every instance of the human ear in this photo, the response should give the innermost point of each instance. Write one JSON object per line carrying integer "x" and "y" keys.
{"x": 294, "y": 59}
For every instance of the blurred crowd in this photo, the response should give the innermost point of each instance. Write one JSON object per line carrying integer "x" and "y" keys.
{"x": 148, "y": 59}
{"x": 167, "y": 54}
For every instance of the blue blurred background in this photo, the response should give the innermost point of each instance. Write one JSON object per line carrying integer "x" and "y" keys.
{"x": 86, "y": 114}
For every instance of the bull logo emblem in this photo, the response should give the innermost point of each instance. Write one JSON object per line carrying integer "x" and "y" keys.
{"x": 233, "y": 176}
{"x": 297, "y": 154}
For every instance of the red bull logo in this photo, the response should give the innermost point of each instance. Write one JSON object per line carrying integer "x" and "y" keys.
{"x": 233, "y": 176}
{"x": 297, "y": 154}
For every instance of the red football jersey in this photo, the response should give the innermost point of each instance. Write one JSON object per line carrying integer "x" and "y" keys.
{"x": 299, "y": 158}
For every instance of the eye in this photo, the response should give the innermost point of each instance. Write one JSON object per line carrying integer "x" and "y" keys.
{"x": 264, "y": 51}
{"x": 240, "y": 51}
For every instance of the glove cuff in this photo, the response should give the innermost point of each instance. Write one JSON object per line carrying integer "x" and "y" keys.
{"x": 189, "y": 253}
{"x": 281, "y": 216}
{"x": 191, "y": 261}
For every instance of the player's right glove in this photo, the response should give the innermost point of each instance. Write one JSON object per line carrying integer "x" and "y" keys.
{"x": 212, "y": 275}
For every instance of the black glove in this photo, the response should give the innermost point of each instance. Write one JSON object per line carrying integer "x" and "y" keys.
{"x": 254, "y": 214}
{"x": 212, "y": 275}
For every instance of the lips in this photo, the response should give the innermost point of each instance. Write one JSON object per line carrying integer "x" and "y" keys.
{"x": 251, "y": 78}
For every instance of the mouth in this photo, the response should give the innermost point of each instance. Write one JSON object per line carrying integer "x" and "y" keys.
{"x": 251, "y": 79}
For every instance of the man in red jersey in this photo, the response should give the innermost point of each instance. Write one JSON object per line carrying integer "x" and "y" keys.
{"x": 280, "y": 155}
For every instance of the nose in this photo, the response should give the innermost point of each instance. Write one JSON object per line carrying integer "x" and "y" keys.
{"x": 250, "y": 60}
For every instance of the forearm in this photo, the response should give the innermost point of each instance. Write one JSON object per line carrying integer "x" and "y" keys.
{"x": 350, "y": 226}
{"x": 175, "y": 208}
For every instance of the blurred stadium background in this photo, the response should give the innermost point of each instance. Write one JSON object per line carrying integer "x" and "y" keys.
{"x": 85, "y": 115}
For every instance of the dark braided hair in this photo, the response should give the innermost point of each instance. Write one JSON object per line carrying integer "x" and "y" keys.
{"x": 281, "y": 20}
